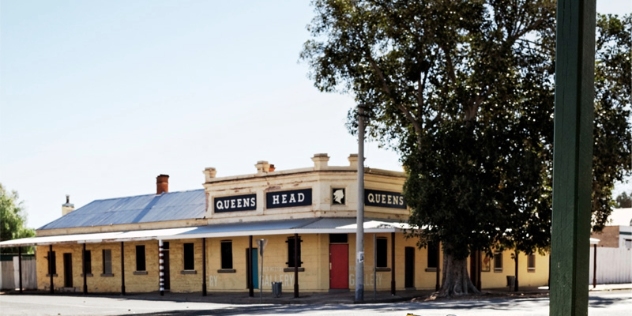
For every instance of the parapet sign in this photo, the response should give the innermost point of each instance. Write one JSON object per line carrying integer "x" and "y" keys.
{"x": 247, "y": 202}
{"x": 289, "y": 198}
{"x": 384, "y": 199}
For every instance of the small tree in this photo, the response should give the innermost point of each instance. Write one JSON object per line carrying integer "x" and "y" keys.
{"x": 624, "y": 200}
{"x": 13, "y": 219}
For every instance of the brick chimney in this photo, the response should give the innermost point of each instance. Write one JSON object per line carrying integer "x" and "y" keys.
{"x": 67, "y": 207}
{"x": 262, "y": 166}
{"x": 162, "y": 184}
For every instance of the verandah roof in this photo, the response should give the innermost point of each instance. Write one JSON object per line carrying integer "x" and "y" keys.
{"x": 282, "y": 227}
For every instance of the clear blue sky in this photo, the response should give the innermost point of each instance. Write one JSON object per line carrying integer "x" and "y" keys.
{"x": 99, "y": 97}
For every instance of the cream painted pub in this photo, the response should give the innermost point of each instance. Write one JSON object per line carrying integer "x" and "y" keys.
{"x": 209, "y": 239}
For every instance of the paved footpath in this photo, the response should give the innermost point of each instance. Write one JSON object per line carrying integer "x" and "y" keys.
{"x": 606, "y": 300}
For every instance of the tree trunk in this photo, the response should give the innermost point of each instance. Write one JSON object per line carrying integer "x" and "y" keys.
{"x": 456, "y": 281}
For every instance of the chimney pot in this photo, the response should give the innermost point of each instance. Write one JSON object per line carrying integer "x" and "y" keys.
{"x": 272, "y": 168}
{"x": 67, "y": 207}
{"x": 162, "y": 184}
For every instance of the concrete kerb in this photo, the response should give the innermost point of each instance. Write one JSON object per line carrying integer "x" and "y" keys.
{"x": 321, "y": 298}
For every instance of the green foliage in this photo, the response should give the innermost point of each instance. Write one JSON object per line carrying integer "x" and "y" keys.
{"x": 13, "y": 219}
{"x": 464, "y": 90}
{"x": 624, "y": 200}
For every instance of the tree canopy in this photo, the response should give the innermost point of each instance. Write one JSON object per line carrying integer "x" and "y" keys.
{"x": 464, "y": 90}
{"x": 12, "y": 218}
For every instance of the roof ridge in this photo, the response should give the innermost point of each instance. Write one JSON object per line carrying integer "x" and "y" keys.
{"x": 139, "y": 195}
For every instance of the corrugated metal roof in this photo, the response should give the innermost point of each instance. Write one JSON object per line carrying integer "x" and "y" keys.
{"x": 135, "y": 209}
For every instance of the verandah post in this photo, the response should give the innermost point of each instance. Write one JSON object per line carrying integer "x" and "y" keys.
{"x": 572, "y": 156}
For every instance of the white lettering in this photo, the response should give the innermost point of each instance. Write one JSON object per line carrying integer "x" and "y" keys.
{"x": 371, "y": 198}
{"x": 284, "y": 198}
{"x": 383, "y": 198}
{"x": 252, "y": 201}
{"x": 401, "y": 200}
{"x": 275, "y": 199}
{"x": 218, "y": 205}
{"x": 292, "y": 198}
{"x": 390, "y": 199}
{"x": 301, "y": 197}
{"x": 239, "y": 202}
{"x": 226, "y": 204}
{"x": 232, "y": 203}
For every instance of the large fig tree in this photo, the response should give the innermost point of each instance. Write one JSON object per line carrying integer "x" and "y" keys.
{"x": 464, "y": 91}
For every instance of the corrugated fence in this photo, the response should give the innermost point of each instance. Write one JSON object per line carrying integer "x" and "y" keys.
{"x": 614, "y": 265}
{"x": 9, "y": 277}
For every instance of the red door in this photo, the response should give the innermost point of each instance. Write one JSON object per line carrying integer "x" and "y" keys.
{"x": 339, "y": 266}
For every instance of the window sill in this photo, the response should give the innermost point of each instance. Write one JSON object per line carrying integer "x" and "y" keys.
{"x": 382, "y": 269}
{"x": 531, "y": 270}
{"x": 497, "y": 270}
{"x": 292, "y": 269}
{"x": 140, "y": 272}
{"x": 54, "y": 275}
{"x": 226, "y": 271}
{"x": 188, "y": 272}
{"x": 88, "y": 274}
{"x": 107, "y": 275}
{"x": 431, "y": 269}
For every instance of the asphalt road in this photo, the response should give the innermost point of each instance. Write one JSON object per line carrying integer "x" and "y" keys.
{"x": 615, "y": 303}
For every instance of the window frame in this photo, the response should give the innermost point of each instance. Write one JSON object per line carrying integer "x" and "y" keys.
{"x": 106, "y": 259}
{"x": 290, "y": 252}
{"x": 87, "y": 258}
{"x": 531, "y": 262}
{"x": 141, "y": 258}
{"x": 498, "y": 261}
{"x": 226, "y": 254}
{"x": 188, "y": 256}
{"x": 52, "y": 263}
{"x": 432, "y": 260}
{"x": 381, "y": 243}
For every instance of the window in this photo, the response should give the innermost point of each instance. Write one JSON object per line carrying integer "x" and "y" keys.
{"x": 290, "y": 253}
{"x": 498, "y": 261}
{"x": 52, "y": 265}
{"x": 107, "y": 261}
{"x": 87, "y": 257}
{"x": 531, "y": 263}
{"x": 338, "y": 238}
{"x": 140, "y": 258}
{"x": 189, "y": 257}
{"x": 227, "y": 254}
{"x": 382, "y": 252}
{"x": 433, "y": 256}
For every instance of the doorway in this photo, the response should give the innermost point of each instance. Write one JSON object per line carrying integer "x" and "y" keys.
{"x": 67, "y": 270}
{"x": 165, "y": 257}
{"x": 253, "y": 258}
{"x": 409, "y": 267}
{"x": 339, "y": 266}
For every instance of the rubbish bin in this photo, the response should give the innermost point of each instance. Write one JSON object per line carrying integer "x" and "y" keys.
{"x": 511, "y": 280}
{"x": 276, "y": 289}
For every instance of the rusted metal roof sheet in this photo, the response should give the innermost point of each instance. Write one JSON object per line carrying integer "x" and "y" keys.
{"x": 135, "y": 209}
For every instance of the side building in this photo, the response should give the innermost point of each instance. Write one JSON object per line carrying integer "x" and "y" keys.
{"x": 240, "y": 233}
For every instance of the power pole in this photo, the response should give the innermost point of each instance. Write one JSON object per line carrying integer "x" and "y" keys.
{"x": 359, "y": 273}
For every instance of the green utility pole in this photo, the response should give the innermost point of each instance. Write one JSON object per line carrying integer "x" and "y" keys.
{"x": 572, "y": 158}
